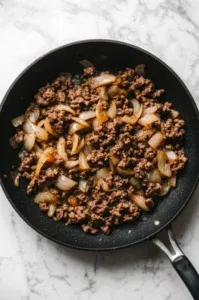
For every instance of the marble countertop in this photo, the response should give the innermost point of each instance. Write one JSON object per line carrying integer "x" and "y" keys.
{"x": 33, "y": 268}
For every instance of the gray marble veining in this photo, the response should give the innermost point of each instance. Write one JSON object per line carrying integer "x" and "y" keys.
{"x": 33, "y": 268}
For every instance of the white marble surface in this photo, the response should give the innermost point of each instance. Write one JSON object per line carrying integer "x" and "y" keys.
{"x": 33, "y": 268}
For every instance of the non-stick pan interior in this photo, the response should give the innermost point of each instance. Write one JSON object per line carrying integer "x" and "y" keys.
{"x": 105, "y": 55}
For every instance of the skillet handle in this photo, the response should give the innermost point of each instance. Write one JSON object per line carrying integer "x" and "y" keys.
{"x": 181, "y": 263}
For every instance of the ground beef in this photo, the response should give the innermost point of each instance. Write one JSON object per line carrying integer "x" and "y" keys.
{"x": 117, "y": 149}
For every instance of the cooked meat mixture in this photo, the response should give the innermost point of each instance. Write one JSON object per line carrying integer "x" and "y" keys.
{"x": 97, "y": 147}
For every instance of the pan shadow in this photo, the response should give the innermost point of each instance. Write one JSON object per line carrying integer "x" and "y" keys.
{"x": 143, "y": 254}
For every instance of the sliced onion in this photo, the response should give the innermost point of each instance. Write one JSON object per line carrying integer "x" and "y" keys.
{"x": 174, "y": 113}
{"x": 87, "y": 150}
{"x": 140, "y": 201}
{"x": 16, "y": 179}
{"x": 83, "y": 164}
{"x": 163, "y": 166}
{"x": 137, "y": 108}
{"x": 61, "y": 144}
{"x": 74, "y": 127}
{"x": 102, "y": 90}
{"x": 165, "y": 189}
{"x": 40, "y": 133}
{"x": 45, "y": 197}
{"x": 51, "y": 209}
{"x": 129, "y": 119}
{"x": 111, "y": 165}
{"x": 37, "y": 150}
{"x": 18, "y": 121}
{"x": 13, "y": 143}
{"x": 156, "y": 140}
{"x": 66, "y": 108}
{"x": 29, "y": 141}
{"x": 114, "y": 159}
{"x": 41, "y": 123}
{"x": 114, "y": 90}
{"x": 112, "y": 111}
{"x": 75, "y": 140}
{"x": 102, "y": 173}
{"x": 172, "y": 181}
{"x": 80, "y": 121}
{"x": 154, "y": 176}
{"x": 171, "y": 155}
{"x": 86, "y": 63}
{"x": 124, "y": 172}
{"x": 148, "y": 119}
{"x": 34, "y": 114}
{"x": 95, "y": 124}
{"x": 135, "y": 183}
{"x": 70, "y": 164}
{"x": 49, "y": 128}
{"x": 86, "y": 115}
{"x": 46, "y": 156}
{"x": 150, "y": 110}
{"x": 83, "y": 186}
{"x": 64, "y": 183}
{"x": 102, "y": 79}
{"x": 104, "y": 185}
{"x": 101, "y": 114}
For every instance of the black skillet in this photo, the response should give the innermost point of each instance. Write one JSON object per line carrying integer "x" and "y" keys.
{"x": 105, "y": 55}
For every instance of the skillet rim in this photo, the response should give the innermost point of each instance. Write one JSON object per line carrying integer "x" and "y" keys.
{"x": 190, "y": 99}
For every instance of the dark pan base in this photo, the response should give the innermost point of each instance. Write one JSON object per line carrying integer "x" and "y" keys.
{"x": 105, "y": 55}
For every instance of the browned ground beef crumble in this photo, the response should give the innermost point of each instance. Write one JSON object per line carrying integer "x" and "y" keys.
{"x": 98, "y": 209}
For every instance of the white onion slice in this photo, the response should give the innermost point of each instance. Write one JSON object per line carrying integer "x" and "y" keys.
{"x": 75, "y": 139}
{"x": 154, "y": 176}
{"x": 49, "y": 128}
{"x": 124, "y": 172}
{"x": 51, "y": 209}
{"x": 46, "y": 156}
{"x": 95, "y": 124}
{"x": 83, "y": 185}
{"x": 112, "y": 111}
{"x": 129, "y": 119}
{"x": 37, "y": 150}
{"x": 102, "y": 79}
{"x": 171, "y": 155}
{"x": 70, "y": 164}
{"x": 156, "y": 140}
{"x": 64, "y": 183}
{"x": 83, "y": 164}
{"x": 34, "y": 114}
{"x": 66, "y": 108}
{"x": 102, "y": 173}
{"x": 135, "y": 183}
{"x": 172, "y": 181}
{"x": 86, "y": 115}
{"x": 102, "y": 90}
{"x": 61, "y": 144}
{"x": 41, "y": 123}
{"x": 114, "y": 159}
{"x": 148, "y": 119}
{"x": 101, "y": 114}
{"x": 150, "y": 110}
{"x": 140, "y": 201}
{"x": 74, "y": 127}
{"x": 104, "y": 185}
{"x": 80, "y": 121}
{"x": 137, "y": 108}
{"x": 165, "y": 189}
{"x": 163, "y": 166}
{"x": 174, "y": 113}
{"x": 45, "y": 197}
{"x": 18, "y": 121}
{"x": 114, "y": 90}
{"x": 40, "y": 133}
{"x": 29, "y": 141}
